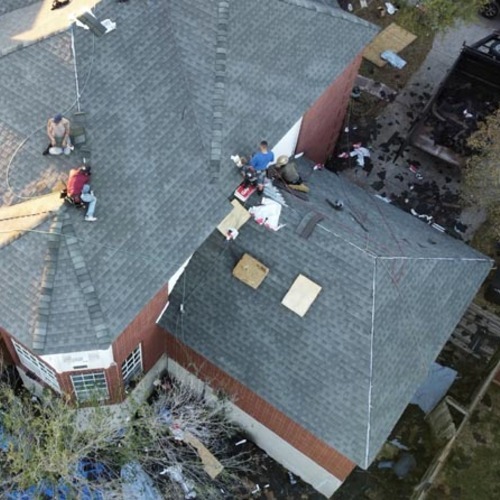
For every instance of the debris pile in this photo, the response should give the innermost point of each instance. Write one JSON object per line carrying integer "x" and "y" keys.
{"x": 457, "y": 111}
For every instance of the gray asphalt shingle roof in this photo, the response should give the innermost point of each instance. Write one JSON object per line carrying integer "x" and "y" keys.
{"x": 168, "y": 95}
{"x": 393, "y": 290}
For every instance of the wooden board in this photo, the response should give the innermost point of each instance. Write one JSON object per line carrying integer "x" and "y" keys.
{"x": 392, "y": 38}
{"x": 250, "y": 271}
{"x": 211, "y": 465}
{"x": 235, "y": 219}
{"x": 301, "y": 295}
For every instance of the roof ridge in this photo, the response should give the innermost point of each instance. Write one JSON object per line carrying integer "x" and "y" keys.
{"x": 47, "y": 282}
{"x": 464, "y": 259}
{"x": 84, "y": 279}
{"x": 330, "y": 10}
{"x": 370, "y": 378}
{"x": 219, "y": 92}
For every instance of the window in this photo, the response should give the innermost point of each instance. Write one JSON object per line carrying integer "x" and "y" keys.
{"x": 90, "y": 386}
{"x": 132, "y": 366}
{"x": 40, "y": 369}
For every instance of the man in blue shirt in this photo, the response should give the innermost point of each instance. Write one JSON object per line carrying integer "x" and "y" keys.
{"x": 260, "y": 162}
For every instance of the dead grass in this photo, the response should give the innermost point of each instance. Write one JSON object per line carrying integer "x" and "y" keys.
{"x": 414, "y": 54}
{"x": 473, "y": 469}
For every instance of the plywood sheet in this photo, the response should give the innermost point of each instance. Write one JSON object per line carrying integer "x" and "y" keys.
{"x": 211, "y": 465}
{"x": 392, "y": 38}
{"x": 301, "y": 295}
{"x": 235, "y": 219}
{"x": 250, "y": 271}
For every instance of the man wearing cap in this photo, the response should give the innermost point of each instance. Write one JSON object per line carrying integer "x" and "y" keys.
{"x": 287, "y": 170}
{"x": 78, "y": 190}
{"x": 58, "y": 130}
{"x": 259, "y": 162}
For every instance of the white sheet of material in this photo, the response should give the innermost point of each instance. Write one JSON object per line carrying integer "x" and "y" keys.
{"x": 267, "y": 214}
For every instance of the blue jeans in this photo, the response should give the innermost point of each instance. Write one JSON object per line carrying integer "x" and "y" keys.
{"x": 88, "y": 197}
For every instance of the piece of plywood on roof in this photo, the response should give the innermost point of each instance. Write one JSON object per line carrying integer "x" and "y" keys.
{"x": 250, "y": 271}
{"x": 234, "y": 219}
{"x": 301, "y": 295}
{"x": 392, "y": 38}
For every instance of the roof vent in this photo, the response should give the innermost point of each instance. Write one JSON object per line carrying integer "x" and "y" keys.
{"x": 301, "y": 295}
{"x": 250, "y": 271}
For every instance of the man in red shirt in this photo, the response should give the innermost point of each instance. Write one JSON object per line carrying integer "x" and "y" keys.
{"x": 78, "y": 189}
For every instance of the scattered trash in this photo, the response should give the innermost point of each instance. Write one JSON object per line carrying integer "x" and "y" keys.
{"x": 232, "y": 234}
{"x": 404, "y": 465}
{"x": 377, "y": 89}
{"x": 291, "y": 478}
{"x": 356, "y": 92}
{"x": 137, "y": 484}
{"x": 256, "y": 490}
{"x": 395, "y": 442}
{"x": 439, "y": 228}
{"x": 175, "y": 474}
{"x": 385, "y": 464}
{"x": 359, "y": 152}
{"x": 319, "y": 166}
{"x": 426, "y": 218}
{"x": 390, "y": 8}
{"x": 336, "y": 205}
{"x": 383, "y": 198}
{"x": 239, "y": 443}
{"x": 237, "y": 160}
{"x": 393, "y": 59}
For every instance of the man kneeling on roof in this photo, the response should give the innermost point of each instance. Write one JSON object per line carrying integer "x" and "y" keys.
{"x": 78, "y": 190}
{"x": 286, "y": 171}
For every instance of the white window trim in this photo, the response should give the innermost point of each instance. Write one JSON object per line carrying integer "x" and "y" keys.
{"x": 132, "y": 365}
{"x": 40, "y": 369}
{"x": 86, "y": 393}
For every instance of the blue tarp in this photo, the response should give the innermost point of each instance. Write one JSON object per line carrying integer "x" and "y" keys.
{"x": 137, "y": 484}
{"x": 434, "y": 388}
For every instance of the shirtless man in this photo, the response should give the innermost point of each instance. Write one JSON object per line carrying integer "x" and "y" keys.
{"x": 58, "y": 129}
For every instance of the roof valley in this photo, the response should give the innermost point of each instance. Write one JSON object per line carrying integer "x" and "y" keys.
{"x": 84, "y": 279}
{"x": 41, "y": 322}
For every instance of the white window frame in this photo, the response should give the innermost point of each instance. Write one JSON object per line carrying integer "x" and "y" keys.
{"x": 86, "y": 386}
{"x": 40, "y": 369}
{"x": 132, "y": 365}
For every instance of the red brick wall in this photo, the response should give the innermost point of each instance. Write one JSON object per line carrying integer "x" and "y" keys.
{"x": 144, "y": 329}
{"x": 15, "y": 358}
{"x": 261, "y": 410}
{"x": 323, "y": 121}
{"x": 5, "y": 353}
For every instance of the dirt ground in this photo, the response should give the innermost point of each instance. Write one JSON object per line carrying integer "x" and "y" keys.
{"x": 472, "y": 471}
{"x": 382, "y": 484}
{"x": 414, "y": 54}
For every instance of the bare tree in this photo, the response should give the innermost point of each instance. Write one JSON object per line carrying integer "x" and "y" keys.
{"x": 44, "y": 447}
